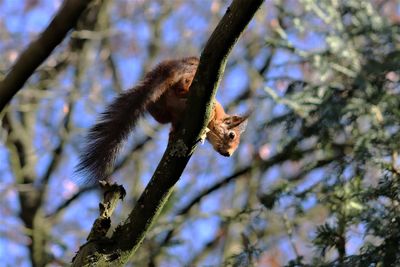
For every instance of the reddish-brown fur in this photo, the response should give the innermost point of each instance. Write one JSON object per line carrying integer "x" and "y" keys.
{"x": 163, "y": 92}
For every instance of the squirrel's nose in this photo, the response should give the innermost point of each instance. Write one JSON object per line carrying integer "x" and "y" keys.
{"x": 225, "y": 154}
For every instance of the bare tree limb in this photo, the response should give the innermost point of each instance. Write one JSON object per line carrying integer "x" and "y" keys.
{"x": 41, "y": 48}
{"x": 129, "y": 235}
{"x": 112, "y": 193}
{"x": 21, "y": 125}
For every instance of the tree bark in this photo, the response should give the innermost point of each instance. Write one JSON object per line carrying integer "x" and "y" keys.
{"x": 129, "y": 235}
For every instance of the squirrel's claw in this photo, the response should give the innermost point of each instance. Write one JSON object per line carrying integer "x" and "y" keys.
{"x": 204, "y": 135}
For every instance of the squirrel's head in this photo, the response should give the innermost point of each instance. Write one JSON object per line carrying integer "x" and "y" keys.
{"x": 224, "y": 134}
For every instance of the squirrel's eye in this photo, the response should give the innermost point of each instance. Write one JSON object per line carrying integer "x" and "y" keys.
{"x": 232, "y": 135}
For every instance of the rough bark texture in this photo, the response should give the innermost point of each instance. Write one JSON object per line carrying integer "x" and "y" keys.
{"x": 129, "y": 235}
{"x": 37, "y": 52}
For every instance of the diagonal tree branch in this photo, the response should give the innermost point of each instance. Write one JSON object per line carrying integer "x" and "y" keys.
{"x": 129, "y": 235}
{"x": 37, "y": 52}
{"x": 277, "y": 159}
{"x": 202, "y": 92}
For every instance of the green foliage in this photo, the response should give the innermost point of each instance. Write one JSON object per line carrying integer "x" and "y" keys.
{"x": 348, "y": 108}
{"x": 327, "y": 237}
{"x": 245, "y": 258}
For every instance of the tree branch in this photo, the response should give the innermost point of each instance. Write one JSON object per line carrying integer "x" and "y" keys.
{"x": 40, "y": 49}
{"x": 128, "y": 236}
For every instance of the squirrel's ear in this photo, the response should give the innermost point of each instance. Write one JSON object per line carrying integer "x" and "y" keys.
{"x": 240, "y": 121}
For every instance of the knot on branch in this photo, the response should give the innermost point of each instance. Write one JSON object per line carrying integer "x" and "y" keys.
{"x": 112, "y": 193}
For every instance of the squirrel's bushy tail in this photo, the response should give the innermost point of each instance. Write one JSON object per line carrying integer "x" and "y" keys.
{"x": 106, "y": 137}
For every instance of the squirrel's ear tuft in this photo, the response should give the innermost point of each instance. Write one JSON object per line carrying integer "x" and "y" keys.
{"x": 240, "y": 121}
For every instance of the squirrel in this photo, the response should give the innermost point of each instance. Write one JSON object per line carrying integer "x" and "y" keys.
{"x": 163, "y": 93}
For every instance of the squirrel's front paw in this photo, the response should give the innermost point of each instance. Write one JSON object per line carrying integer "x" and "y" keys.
{"x": 204, "y": 135}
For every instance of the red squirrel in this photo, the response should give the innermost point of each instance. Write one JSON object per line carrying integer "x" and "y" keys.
{"x": 163, "y": 93}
